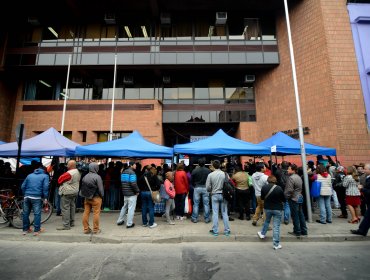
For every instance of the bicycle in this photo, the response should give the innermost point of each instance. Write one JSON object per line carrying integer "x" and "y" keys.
{"x": 11, "y": 210}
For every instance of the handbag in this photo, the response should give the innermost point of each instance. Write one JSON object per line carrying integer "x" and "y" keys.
{"x": 155, "y": 194}
{"x": 315, "y": 189}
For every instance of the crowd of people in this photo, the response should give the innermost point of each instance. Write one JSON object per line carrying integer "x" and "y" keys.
{"x": 263, "y": 191}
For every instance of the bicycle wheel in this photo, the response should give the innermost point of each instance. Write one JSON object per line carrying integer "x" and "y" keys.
{"x": 46, "y": 211}
{"x": 17, "y": 216}
{"x": 3, "y": 219}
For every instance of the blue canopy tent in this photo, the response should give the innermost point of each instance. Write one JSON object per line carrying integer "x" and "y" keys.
{"x": 221, "y": 144}
{"x": 48, "y": 143}
{"x": 132, "y": 146}
{"x": 288, "y": 145}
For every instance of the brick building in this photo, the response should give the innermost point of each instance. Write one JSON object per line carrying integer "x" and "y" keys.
{"x": 184, "y": 68}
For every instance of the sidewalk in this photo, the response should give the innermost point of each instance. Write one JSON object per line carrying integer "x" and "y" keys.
{"x": 182, "y": 231}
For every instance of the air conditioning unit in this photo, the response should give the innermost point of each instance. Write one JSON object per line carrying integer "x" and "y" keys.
{"x": 33, "y": 21}
{"x": 110, "y": 18}
{"x": 128, "y": 80}
{"x": 249, "y": 78}
{"x": 165, "y": 18}
{"x": 166, "y": 79}
{"x": 221, "y": 18}
{"x": 77, "y": 81}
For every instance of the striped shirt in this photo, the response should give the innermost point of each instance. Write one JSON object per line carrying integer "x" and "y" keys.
{"x": 351, "y": 186}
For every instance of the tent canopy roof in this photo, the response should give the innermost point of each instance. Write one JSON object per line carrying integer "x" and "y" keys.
{"x": 133, "y": 146}
{"x": 221, "y": 144}
{"x": 288, "y": 145}
{"x": 48, "y": 143}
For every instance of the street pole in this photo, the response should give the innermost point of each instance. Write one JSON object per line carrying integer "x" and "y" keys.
{"x": 66, "y": 95}
{"x": 300, "y": 127}
{"x": 113, "y": 97}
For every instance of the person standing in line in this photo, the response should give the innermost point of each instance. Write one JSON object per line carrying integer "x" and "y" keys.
{"x": 130, "y": 192}
{"x": 293, "y": 193}
{"x": 69, "y": 185}
{"x": 341, "y": 191}
{"x": 241, "y": 179}
{"x": 199, "y": 178}
{"x": 365, "y": 223}
{"x": 146, "y": 198}
{"x": 259, "y": 179}
{"x": 214, "y": 185}
{"x": 35, "y": 188}
{"x": 353, "y": 200}
{"x": 93, "y": 191}
{"x": 274, "y": 199}
{"x": 325, "y": 195}
{"x": 181, "y": 184}
{"x": 170, "y": 194}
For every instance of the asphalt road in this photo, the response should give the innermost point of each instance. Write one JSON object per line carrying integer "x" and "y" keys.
{"x": 48, "y": 260}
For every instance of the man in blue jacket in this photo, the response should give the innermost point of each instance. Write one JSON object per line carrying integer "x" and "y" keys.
{"x": 35, "y": 188}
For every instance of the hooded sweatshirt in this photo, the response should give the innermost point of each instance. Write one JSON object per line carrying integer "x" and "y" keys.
{"x": 259, "y": 179}
{"x": 36, "y": 185}
{"x": 92, "y": 183}
{"x": 325, "y": 180}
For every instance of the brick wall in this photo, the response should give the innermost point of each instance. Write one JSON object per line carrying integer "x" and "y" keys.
{"x": 147, "y": 122}
{"x": 7, "y": 103}
{"x": 329, "y": 88}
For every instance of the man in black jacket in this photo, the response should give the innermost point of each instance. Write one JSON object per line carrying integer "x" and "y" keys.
{"x": 365, "y": 224}
{"x": 198, "y": 180}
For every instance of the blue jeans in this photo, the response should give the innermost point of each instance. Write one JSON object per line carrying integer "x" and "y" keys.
{"x": 325, "y": 208}
{"x": 129, "y": 207}
{"x": 200, "y": 192}
{"x": 299, "y": 221}
{"x": 276, "y": 224}
{"x": 218, "y": 202}
{"x": 35, "y": 205}
{"x": 286, "y": 212}
{"x": 147, "y": 206}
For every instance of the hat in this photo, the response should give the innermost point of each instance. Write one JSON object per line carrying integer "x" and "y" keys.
{"x": 340, "y": 168}
{"x": 131, "y": 163}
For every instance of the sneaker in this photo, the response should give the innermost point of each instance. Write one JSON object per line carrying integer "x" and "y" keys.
{"x": 227, "y": 233}
{"x": 320, "y": 222}
{"x": 27, "y": 231}
{"x": 145, "y": 225}
{"x": 278, "y": 247}
{"x": 294, "y": 233}
{"x": 131, "y": 226}
{"x": 207, "y": 221}
{"x": 260, "y": 235}
{"x": 170, "y": 222}
{"x": 194, "y": 221}
{"x": 63, "y": 228}
{"x": 254, "y": 223}
{"x": 120, "y": 223}
{"x": 36, "y": 233}
{"x": 178, "y": 217}
{"x": 183, "y": 218}
{"x": 213, "y": 233}
{"x": 153, "y": 225}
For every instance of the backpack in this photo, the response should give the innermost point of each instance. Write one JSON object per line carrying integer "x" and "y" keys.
{"x": 88, "y": 190}
{"x": 228, "y": 190}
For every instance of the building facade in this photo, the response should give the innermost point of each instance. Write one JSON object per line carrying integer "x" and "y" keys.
{"x": 183, "y": 69}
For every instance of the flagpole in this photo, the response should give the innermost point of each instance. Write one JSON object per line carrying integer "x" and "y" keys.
{"x": 66, "y": 96}
{"x": 113, "y": 97}
{"x": 298, "y": 107}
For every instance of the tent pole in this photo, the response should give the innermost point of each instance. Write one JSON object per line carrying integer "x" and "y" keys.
{"x": 66, "y": 96}
{"x": 300, "y": 127}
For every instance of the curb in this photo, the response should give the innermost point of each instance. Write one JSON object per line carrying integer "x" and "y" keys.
{"x": 80, "y": 238}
